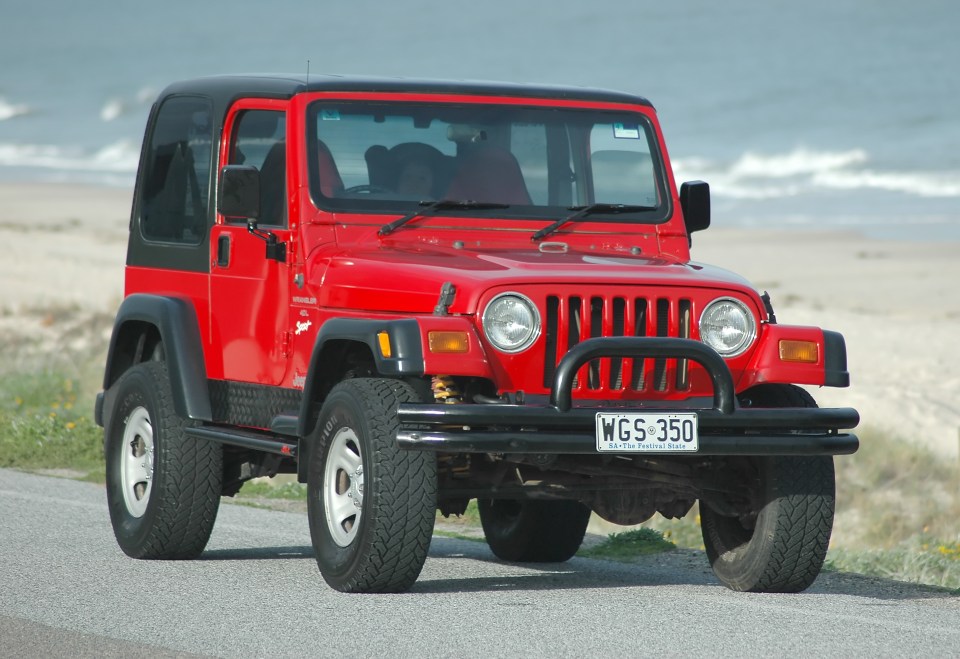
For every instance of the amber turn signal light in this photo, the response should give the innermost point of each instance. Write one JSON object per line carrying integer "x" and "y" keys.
{"x": 384, "y": 340}
{"x": 805, "y": 352}
{"x": 446, "y": 341}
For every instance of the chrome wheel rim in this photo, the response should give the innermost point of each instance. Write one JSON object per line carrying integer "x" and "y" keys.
{"x": 136, "y": 461}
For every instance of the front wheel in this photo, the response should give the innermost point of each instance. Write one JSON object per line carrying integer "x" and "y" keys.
{"x": 163, "y": 488}
{"x": 779, "y": 547}
{"x": 533, "y": 530}
{"x": 371, "y": 505}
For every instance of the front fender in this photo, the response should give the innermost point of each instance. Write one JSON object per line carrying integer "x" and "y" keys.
{"x": 768, "y": 365}
{"x": 411, "y": 352}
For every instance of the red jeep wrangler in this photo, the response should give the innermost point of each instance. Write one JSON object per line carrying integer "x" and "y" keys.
{"x": 413, "y": 294}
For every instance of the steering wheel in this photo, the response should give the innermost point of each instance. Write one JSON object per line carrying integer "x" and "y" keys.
{"x": 367, "y": 189}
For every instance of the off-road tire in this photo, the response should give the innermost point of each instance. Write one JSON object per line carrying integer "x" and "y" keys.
{"x": 384, "y": 546}
{"x": 533, "y": 531}
{"x": 781, "y": 549}
{"x": 163, "y": 488}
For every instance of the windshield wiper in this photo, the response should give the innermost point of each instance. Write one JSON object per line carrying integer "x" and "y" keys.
{"x": 428, "y": 208}
{"x": 583, "y": 211}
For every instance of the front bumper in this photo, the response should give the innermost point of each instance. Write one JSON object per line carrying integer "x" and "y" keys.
{"x": 559, "y": 427}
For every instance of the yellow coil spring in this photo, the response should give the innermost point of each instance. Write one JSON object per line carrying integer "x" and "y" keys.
{"x": 445, "y": 390}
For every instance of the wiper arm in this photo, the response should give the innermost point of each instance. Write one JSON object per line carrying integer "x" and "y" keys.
{"x": 583, "y": 211}
{"x": 428, "y": 208}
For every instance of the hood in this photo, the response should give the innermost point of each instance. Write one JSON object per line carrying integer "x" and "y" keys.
{"x": 408, "y": 280}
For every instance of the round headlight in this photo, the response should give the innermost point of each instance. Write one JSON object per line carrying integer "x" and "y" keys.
{"x": 511, "y": 322}
{"x": 727, "y": 326}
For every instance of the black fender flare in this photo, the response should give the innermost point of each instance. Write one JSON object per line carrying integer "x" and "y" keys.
{"x": 406, "y": 357}
{"x": 835, "y": 372}
{"x": 175, "y": 320}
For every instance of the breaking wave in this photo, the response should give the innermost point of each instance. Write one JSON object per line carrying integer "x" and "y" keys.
{"x": 10, "y": 110}
{"x": 802, "y": 171}
{"x": 117, "y": 107}
{"x": 119, "y": 157}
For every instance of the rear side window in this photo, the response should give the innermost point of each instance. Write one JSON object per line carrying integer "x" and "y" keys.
{"x": 177, "y": 178}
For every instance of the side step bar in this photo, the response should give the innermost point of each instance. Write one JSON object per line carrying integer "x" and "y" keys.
{"x": 247, "y": 439}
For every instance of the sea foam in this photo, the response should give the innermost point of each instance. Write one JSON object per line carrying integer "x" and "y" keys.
{"x": 803, "y": 171}
{"x": 118, "y": 157}
{"x": 10, "y": 110}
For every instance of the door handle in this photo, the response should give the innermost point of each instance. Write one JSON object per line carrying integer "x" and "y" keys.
{"x": 223, "y": 251}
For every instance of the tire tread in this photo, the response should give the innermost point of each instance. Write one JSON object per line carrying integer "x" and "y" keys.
{"x": 402, "y": 509}
{"x": 799, "y": 516}
{"x": 188, "y": 476}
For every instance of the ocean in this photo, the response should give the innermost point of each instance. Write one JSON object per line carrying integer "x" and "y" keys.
{"x": 805, "y": 115}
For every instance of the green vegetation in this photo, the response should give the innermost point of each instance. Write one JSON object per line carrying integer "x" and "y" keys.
{"x": 461, "y": 527}
{"x": 628, "y": 545}
{"x": 896, "y": 494}
{"x": 898, "y": 513}
{"x": 936, "y": 564}
{"x": 43, "y": 427}
{"x": 270, "y": 489}
{"x": 898, "y": 504}
{"x": 683, "y": 532}
{"x": 470, "y": 517}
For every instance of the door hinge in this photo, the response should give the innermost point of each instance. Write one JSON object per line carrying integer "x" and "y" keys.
{"x": 286, "y": 344}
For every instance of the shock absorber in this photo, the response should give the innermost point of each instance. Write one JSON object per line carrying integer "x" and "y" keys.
{"x": 446, "y": 391}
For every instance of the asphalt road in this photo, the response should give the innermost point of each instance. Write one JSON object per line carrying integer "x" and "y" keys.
{"x": 67, "y": 590}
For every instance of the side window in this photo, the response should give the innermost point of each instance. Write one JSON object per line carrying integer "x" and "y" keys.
{"x": 259, "y": 139}
{"x": 177, "y": 179}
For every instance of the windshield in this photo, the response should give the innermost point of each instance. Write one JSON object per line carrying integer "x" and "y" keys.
{"x": 538, "y": 161}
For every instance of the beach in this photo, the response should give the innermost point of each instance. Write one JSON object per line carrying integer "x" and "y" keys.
{"x": 895, "y": 302}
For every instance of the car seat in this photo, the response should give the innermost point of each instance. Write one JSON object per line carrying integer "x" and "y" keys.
{"x": 489, "y": 174}
{"x": 330, "y": 181}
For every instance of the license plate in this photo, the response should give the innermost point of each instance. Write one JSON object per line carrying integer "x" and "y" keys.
{"x": 642, "y": 432}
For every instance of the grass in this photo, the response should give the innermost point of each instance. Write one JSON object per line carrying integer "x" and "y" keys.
{"x": 43, "y": 427}
{"x": 898, "y": 504}
{"x": 269, "y": 489}
{"x": 628, "y": 545}
{"x": 470, "y": 517}
{"x": 936, "y": 564}
{"x": 893, "y": 492}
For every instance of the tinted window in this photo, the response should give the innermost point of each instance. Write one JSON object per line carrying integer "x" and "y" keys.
{"x": 177, "y": 180}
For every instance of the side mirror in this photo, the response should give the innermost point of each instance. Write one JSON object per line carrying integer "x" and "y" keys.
{"x": 240, "y": 198}
{"x": 239, "y": 192}
{"x": 695, "y": 203}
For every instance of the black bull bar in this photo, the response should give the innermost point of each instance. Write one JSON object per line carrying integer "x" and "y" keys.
{"x": 559, "y": 427}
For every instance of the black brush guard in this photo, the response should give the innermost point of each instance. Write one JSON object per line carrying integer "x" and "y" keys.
{"x": 560, "y": 427}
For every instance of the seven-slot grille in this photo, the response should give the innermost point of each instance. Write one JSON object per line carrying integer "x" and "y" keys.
{"x": 570, "y": 319}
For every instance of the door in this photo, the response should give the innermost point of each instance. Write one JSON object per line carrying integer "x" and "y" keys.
{"x": 249, "y": 290}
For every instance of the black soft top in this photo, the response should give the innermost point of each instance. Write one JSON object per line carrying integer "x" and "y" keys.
{"x": 226, "y": 88}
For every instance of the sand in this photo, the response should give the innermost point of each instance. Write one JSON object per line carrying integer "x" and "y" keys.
{"x": 896, "y": 303}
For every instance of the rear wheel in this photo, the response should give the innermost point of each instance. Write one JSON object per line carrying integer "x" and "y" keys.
{"x": 533, "y": 530}
{"x": 371, "y": 505}
{"x": 781, "y": 546}
{"x": 163, "y": 488}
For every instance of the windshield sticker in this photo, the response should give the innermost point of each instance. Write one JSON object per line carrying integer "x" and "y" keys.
{"x": 329, "y": 114}
{"x": 626, "y": 131}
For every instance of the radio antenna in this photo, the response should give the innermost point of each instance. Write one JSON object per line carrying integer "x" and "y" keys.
{"x": 308, "y": 74}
